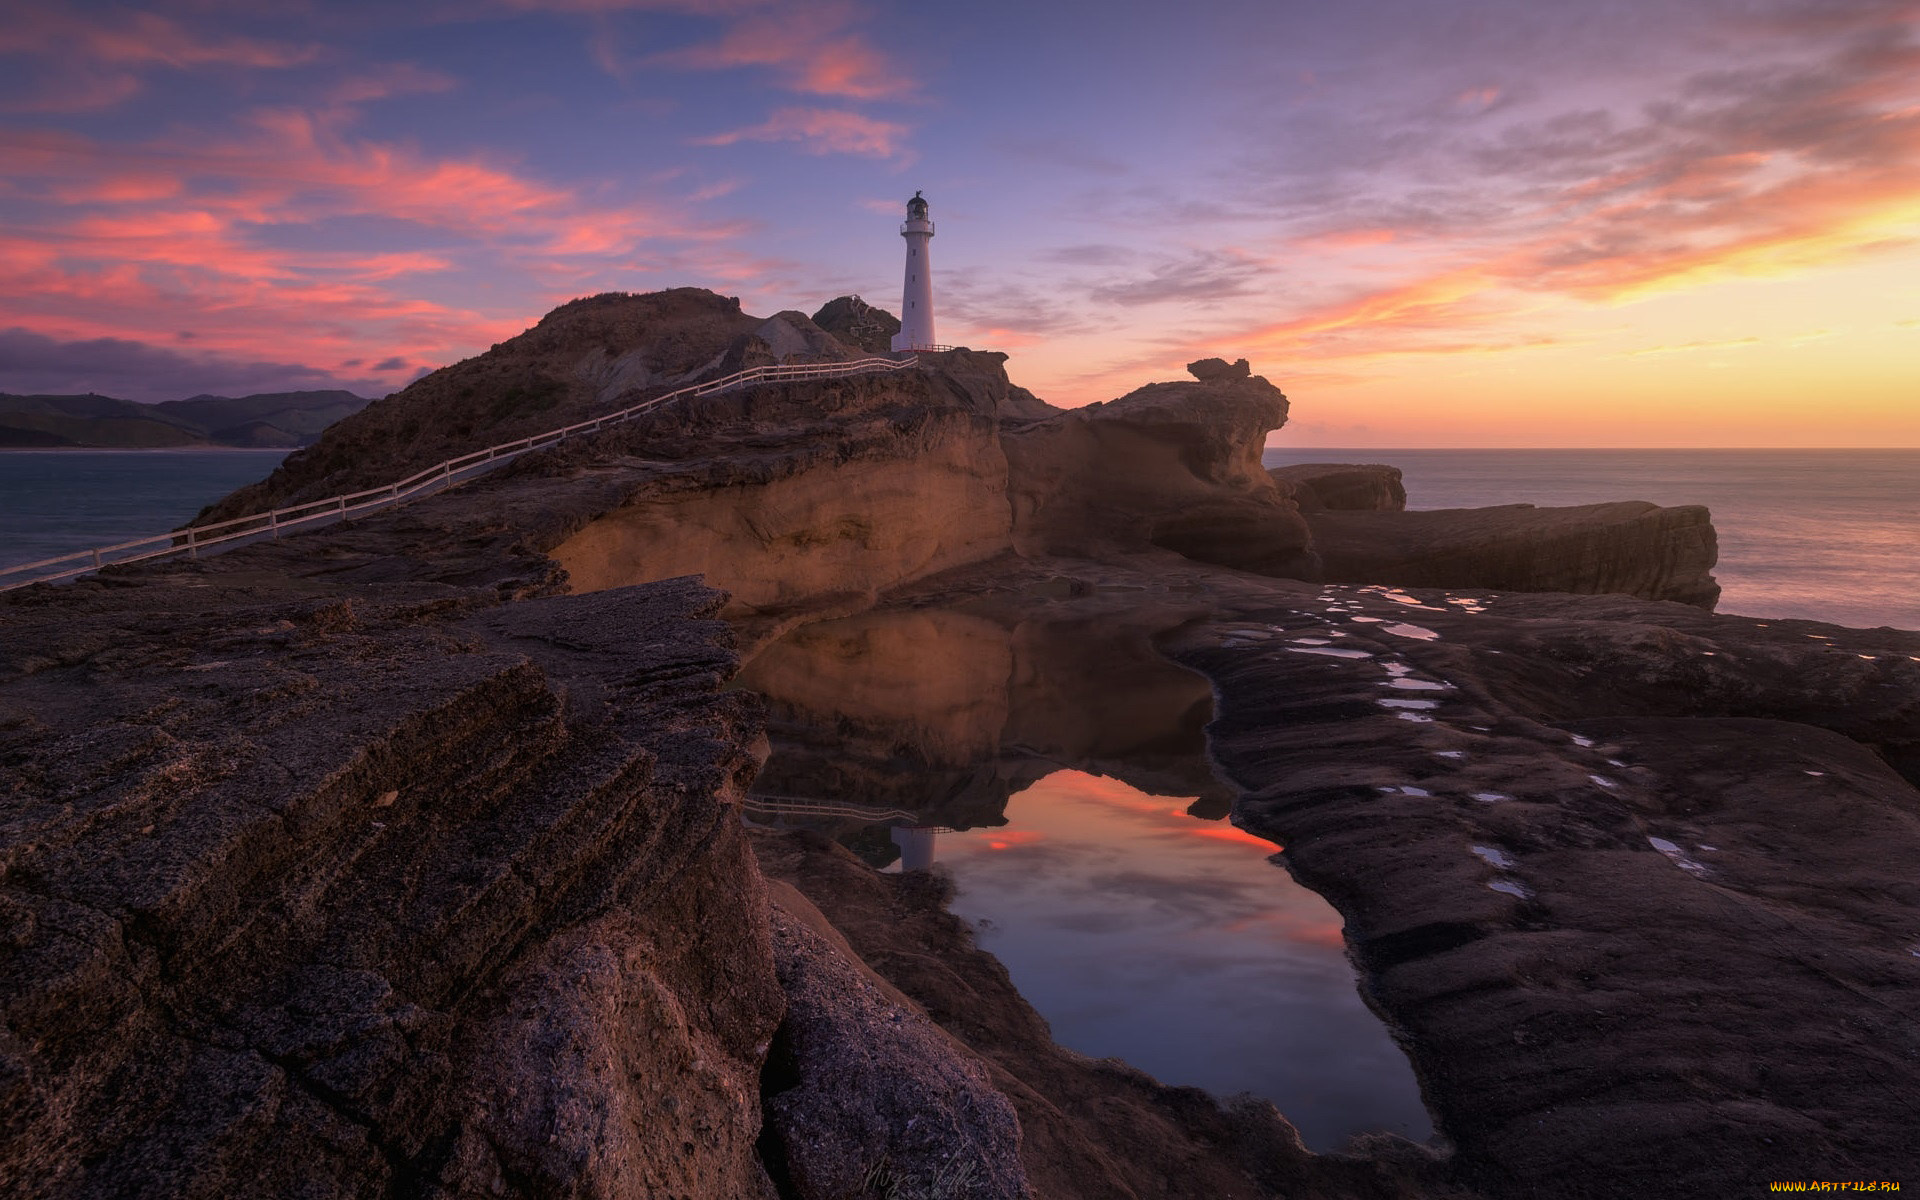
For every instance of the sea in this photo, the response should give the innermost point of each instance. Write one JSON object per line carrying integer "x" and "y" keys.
{"x": 1823, "y": 535}
{"x": 55, "y": 502}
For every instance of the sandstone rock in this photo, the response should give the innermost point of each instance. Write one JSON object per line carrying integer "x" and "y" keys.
{"x": 794, "y": 337}
{"x": 858, "y": 324}
{"x": 797, "y": 500}
{"x": 335, "y": 894}
{"x": 1207, "y": 370}
{"x": 367, "y": 861}
{"x": 866, "y": 1095}
{"x": 977, "y": 379}
{"x": 1631, "y": 547}
{"x": 1347, "y": 487}
{"x": 1174, "y": 465}
{"x": 586, "y": 357}
{"x": 1635, "y": 918}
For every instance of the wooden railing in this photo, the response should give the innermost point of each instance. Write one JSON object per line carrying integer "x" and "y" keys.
{"x": 804, "y": 806}
{"x": 193, "y": 539}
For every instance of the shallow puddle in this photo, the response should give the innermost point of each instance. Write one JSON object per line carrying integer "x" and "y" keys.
{"x": 1060, "y": 775}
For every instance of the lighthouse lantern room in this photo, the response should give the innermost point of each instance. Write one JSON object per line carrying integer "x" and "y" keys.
{"x": 916, "y": 301}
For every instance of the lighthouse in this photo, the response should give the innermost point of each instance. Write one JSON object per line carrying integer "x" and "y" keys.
{"x": 916, "y": 301}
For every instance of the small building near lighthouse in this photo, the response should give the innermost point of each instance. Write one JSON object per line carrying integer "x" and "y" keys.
{"x": 916, "y": 300}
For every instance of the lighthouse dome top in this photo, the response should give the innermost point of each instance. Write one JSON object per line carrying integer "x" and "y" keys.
{"x": 916, "y": 208}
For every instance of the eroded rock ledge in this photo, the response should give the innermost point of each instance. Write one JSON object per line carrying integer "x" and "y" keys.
{"x": 395, "y": 891}
{"x": 1629, "y": 547}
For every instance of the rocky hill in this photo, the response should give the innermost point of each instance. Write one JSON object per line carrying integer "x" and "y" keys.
{"x": 404, "y": 857}
{"x": 267, "y": 420}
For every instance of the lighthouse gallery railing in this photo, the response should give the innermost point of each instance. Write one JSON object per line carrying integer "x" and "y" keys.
{"x": 193, "y": 539}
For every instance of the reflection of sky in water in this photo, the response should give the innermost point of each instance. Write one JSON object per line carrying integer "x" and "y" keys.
{"x": 1143, "y": 933}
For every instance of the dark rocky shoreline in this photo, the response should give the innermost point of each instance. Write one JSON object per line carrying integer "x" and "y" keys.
{"x": 404, "y": 857}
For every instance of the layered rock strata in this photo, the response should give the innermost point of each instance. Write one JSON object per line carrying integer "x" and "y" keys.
{"x": 1172, "y": 465}
{"x": 390, "y": 891}
{"x": 1629, "y": 547}
{"x": 1347, "y": 487}
{"x": 1644, "y": 920}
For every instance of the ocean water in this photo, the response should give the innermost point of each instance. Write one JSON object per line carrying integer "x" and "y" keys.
{"x": 1823, "y": 535}
{"x": 59, "y": 501}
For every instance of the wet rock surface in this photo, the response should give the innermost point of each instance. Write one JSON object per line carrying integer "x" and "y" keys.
{"x": 1628, "y": 878}
{"x": 1643, "y": 921}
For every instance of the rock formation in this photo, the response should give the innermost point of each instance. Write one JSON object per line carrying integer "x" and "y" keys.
{"x": 376, "y": 891}
{"x": 1347, "y": 487}
{"x": 1174, "y": 465}
{"x": 403, "y": 857}
{"x": 858, "y": 324}
{"x": 1623, "y": 916}
{"x": 1631, "y": 547}
{"x": 585, "y": 358}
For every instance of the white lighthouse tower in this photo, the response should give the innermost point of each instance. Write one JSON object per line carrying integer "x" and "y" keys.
{"x": 916, "y": 303}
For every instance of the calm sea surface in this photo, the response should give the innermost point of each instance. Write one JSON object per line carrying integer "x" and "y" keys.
{"x": 1825, "y": 535}
{"x": 58, "y": 501}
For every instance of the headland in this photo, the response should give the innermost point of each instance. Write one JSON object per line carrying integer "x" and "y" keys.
{"x": 405, "y": 857}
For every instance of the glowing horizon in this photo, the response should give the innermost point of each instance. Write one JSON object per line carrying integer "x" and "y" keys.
{"x": 1499, "y": 228}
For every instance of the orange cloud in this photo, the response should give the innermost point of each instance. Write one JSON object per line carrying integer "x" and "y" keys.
{"x": 1661, "y": 228}
{"x": 820, "y": 131}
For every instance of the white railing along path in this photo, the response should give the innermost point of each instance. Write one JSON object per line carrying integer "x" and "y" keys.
{"x": 193, "y": 539}
{"x": 806, "y": 806}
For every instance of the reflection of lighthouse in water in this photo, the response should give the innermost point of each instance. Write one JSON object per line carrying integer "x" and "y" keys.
{"x": 916, "y": 846}
{"x": 916, "y": 300}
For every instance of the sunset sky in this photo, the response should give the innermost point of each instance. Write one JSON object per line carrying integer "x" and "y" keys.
{"x": 1504, "y": 223}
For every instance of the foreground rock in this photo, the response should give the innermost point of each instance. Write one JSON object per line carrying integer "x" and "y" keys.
{"x": 865, "y": 1094}
{"x": 1632, "y": 547}
{"x": 1646, "y": 915}
{"x": 377, "y": 892}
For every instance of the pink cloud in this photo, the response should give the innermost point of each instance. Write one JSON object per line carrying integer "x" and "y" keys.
{"x": 814, "y": 56}
{"x": 137, "y": 241}
{"x": 820, "y": 131}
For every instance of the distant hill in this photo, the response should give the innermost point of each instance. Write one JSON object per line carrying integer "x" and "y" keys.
{"x": 274, "y": 419}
